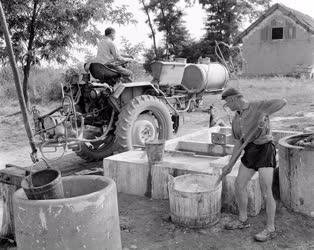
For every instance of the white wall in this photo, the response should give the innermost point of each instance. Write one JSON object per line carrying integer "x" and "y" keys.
{"x": 277, "y": 56}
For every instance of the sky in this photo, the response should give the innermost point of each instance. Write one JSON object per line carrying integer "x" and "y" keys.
{"x": 194, "y": 18}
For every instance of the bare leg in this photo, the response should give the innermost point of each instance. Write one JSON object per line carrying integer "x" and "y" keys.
{"x": 265, "y": 180}
{"x": 244, "y": 176}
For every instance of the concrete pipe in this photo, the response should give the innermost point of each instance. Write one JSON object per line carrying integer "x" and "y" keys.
{"x": 296, "y": 171}
{"x": 87, "y": 218}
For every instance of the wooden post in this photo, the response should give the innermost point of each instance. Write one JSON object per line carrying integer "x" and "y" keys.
{"x": 18, "y": 84}
{"x": 7, "y": 228}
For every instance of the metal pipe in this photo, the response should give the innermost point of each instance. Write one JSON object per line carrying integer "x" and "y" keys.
{"x": 18, "y": 85}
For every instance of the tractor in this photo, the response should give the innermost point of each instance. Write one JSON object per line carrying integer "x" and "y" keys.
{"x": 98, "y": 117}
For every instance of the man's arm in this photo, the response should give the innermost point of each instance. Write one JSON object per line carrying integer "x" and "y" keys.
{"x": 271, "y": 106}
{"x": 114, "y": 52}
{"x": 116, "y": 55}
{"x": 227, "y": 169}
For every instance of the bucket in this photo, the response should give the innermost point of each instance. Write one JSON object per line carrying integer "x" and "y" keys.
{"x": 195, "y": 200}
{"x": 44, "y": 184}
{"x": 155, "y": 150}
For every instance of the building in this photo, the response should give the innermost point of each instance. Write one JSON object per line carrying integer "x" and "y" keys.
{"x": 280, "y": 42}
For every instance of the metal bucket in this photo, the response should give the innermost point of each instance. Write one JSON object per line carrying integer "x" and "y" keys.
{"x": 155, "y": 150}
{"x": 44, "y": 184}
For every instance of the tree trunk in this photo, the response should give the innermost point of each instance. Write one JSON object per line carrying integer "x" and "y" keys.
{"x": 29, "y": 55}
{"x": 26, "y": 70}
{"x": 167, "y": 31}
{"x": 151, "y": 27}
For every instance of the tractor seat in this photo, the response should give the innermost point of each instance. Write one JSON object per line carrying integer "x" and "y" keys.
{"x": 103, "y": 73}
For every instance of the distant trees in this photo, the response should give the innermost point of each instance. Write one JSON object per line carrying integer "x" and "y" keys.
{"x": 224, "y": 18}
{"x": 167, "y": 16}
{"x": 46, "y": 29}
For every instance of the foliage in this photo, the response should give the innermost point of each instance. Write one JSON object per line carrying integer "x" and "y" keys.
{"x": 150, "y": 56}
{"x": 44, "y": 84}
{"x": 46, "y": 29}
{"x": 224, "y": 17}
{"x": 130, "y": 49}
{"x": 168, "y": 18}
{"x": 196, "y": 49}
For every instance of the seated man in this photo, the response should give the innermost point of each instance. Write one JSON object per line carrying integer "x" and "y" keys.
{"x": 107, "y": 54}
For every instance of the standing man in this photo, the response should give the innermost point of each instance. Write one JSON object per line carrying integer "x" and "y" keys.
{"x": 259, "y": 155}
{"x": 107, "y": 54}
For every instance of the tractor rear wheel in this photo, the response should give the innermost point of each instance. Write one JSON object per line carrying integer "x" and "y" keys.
{"x": 144, "y": 118}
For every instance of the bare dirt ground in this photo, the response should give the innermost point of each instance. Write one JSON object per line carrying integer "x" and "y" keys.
{"x": 144, "y": 222}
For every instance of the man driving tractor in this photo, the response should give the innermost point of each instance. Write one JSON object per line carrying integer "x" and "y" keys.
{"x": 109, "y": 57}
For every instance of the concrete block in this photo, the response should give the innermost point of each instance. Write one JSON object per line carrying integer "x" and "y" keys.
{"x": 277, "y": 134}
{"x": 129, "y": 174}
{"x": 130, "y": 171}
{"x": 204, "y": 148}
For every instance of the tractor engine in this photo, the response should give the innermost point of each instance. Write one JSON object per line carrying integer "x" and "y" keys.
{"x": 91, "y": 100}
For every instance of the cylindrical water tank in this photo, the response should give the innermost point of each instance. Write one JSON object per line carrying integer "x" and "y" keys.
{"x": 296, "y": 171}
{"x": 199, "y": 77}
{"x": 87, "y": 218}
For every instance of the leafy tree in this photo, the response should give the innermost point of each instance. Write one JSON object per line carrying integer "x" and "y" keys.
{"x": 46, "y": 29}
{"x": 168, "y": 17}
{"x": 224, "y": 17}
{"x": 130, "y": 49}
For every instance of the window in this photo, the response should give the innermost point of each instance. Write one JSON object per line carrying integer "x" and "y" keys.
{"x": 276, "y": 33}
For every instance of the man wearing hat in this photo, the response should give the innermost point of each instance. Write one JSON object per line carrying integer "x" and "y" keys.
{"x": 259, "y": 155}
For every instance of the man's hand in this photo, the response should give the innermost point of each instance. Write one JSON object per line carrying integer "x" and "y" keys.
{"x": 226, "y": 170}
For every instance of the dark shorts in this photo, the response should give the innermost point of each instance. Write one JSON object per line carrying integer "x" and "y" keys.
{"x": 259, "y": 156}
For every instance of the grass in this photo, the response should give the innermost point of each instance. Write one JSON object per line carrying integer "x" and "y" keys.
{"x": 45, "y": 83}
